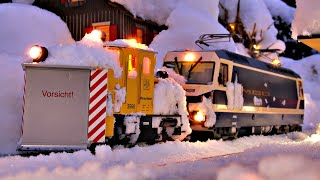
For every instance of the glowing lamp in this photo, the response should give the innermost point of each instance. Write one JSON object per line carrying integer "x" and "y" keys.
{"x": 189, "y": 57}
{"x": 38, "y": 53}
{"x": 276, "y": 61}
{"x": 232, "y": 26}
{"x": 256, "y": 46}
{"x": 199, "y": 116}
{"x": 96, "y": 34}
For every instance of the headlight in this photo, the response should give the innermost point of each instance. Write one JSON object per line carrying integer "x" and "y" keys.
{"x": 38, "y": 53}
{"x": 198, "y": 116}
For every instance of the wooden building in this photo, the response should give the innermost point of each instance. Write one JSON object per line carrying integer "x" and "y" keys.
{"x": 82, "y": 16}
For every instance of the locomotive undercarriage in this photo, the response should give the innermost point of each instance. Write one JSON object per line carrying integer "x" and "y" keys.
{"x": 227, "y": 127}
{"x": 146, "y": 130}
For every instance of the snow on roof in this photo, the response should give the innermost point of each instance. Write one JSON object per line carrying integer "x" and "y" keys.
{"x": 23, "y": 26}
{"x": 186, "y": 23}
{"x": 87, "y": 52}
{"x": 155, "y": 10}
{"x": 255, "y": 16}
{"x": 128, "y": 43}
{"x": 187, "y": 20}
{"x": 306, "y": 19}
{"x": 281, "y": 9}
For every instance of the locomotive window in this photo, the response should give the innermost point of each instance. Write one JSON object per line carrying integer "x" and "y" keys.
{"x": 223, "y": 74}
{"x": 132, "y": 73}
{"x": 202, "y": 73}
{"x": 146, "y": 65}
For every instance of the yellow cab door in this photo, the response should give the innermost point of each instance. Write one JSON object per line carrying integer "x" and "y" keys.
{"x": 147, "y": 64}
{"x": 132, "y": 80}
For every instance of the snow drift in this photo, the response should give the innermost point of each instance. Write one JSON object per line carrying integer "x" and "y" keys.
{"x": 309, "y": 70}
{"x": 306, "y": 19}
{"x": 25, "y": 25}
{"x": 182, "y": 34}
{"x": 187, "y": 20}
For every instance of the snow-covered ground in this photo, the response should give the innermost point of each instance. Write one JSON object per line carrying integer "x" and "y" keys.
{"x": 258, "y": 157}
{"x": 293, "y": 156}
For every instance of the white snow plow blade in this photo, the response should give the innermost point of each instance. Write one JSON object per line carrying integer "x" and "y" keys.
{"x": 55, "y": 108}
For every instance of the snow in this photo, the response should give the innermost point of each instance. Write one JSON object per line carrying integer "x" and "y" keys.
{"x": 283, "y": 102}
{"x": 155, "y": 10}
{"x": 182, "y": 34}
{"x": 306, "y": 18}
{"x": 309, "y": 69}
{"x": 132, "y": 124}
{"x": 79, "y": 54}
{"x": 257, "y": 101}
{"x": 87, "y": 52}
{"x": 281, "y": 9}
{"x": 25, "y": 25}
{"x": 172, "y": 74}
{"x": 256, "y": 18}
{"x": 109, "y": 106}
{"x": 234, "y": 95}
{"x": 120, "y": 97}
{"x": 128, "y": 43}
{"x": 265, "y": 157}
{"x": 11, "y": 90}
{"x": 170, "y": 98}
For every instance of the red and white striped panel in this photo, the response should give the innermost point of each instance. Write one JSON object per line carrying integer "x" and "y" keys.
{"x": 97, "y": 105}
{"x": 23, "y": 103}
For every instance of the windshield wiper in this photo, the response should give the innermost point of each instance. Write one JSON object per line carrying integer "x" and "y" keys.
{"x": 192, "y": 67}
{"x": 178, "y": 67}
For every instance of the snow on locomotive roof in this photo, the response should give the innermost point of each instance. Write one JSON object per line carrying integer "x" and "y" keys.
{"x": 237, "y": 58}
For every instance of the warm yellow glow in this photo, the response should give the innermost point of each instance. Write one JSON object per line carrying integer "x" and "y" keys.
{"x": 35, "y": 52}
{"x": 276, "y": 61}
{"x": 130, "y": 63}
{"x": 249, "y": 108}
{"x": 314, "y": 138}
{"x": 256, "y": 46}
{"x": 189, "y": 57}
{"x": 96, "y": 34}
{"x": 135, "y": 44}
{"x": 199, "y": 117}
{"x": 318, "y": 129}
{"x": 232, "y": 26}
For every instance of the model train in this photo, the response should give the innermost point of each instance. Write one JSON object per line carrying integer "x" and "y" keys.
{"x": 72, "y": 107}
{"x": 228, "y": 94}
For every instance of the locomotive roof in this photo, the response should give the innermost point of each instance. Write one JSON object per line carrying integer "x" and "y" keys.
{"x": 237, "y": 58}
